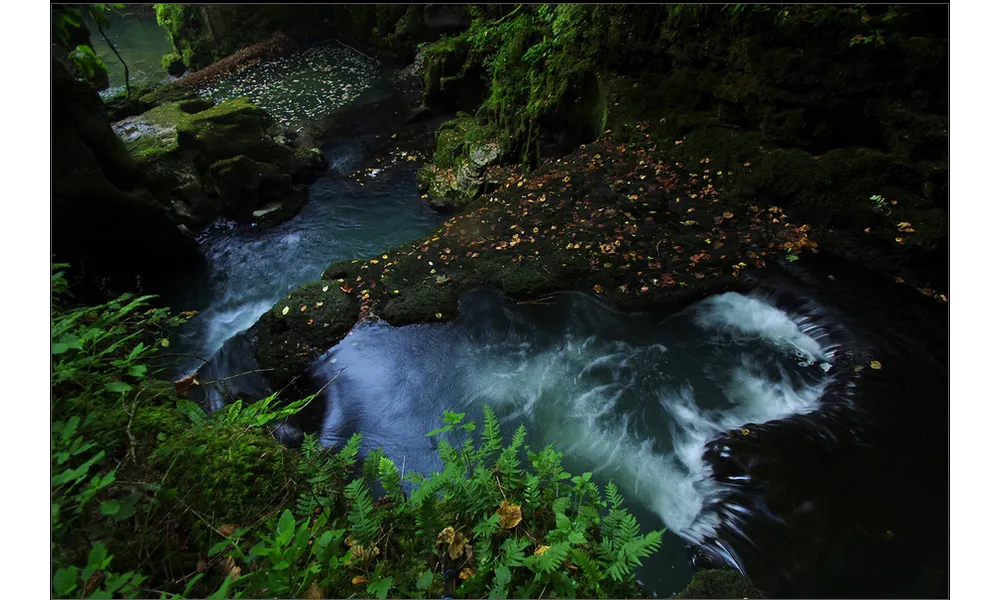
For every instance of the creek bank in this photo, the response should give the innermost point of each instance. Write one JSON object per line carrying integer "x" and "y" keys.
{"x": 106, "y": 218}
{"x": 840, "y": 111}
{"x": 613, "y": 218}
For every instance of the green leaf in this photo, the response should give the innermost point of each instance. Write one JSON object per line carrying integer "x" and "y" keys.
{"x": 444, "y": 429}
{"x": 286, "y": 528}
{"x": 219, "y": 547}
{"x": 137, "y": 371}
{"x": 58, "y": 348}
{"x": 98, "y": 558}
{"x": 65, "y": 581}
{"x": 501, "y": 579}
{"x": 110, "y": 507}
{"x": 118, "y": 387}
{"x": 191, "y": 410}
{"x": 137, "y": 350}
{"x": 425, "y": 580}
{"x": 380, "y": 588}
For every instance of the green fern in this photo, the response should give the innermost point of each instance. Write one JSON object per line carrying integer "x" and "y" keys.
{"x": 364, "y": 525}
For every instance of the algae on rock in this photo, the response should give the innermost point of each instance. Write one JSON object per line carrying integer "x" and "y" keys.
{"x": 209, "y": 160}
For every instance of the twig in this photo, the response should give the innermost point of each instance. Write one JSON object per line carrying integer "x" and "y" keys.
{"x": 328, "y": 384}
{"x": 182, "y": 354}
{"x": 235, "y": 376}
{"x": 128, "y": 89}
{"x": 355, "y": 49}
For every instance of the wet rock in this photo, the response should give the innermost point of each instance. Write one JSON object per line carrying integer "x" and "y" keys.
{"x": 457, "y": 175}
{"x": 418, "y": 114}
{"x": 301, "y": 327}
{"x": 287, "y": 435}
{"x": 208, "y": 160}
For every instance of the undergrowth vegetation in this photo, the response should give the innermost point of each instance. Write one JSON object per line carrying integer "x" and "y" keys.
{"x": 151, "y": 497}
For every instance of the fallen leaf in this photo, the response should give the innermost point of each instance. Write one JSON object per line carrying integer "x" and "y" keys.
{"x": 875, "y": 365}
{"x": 358, "y": 579}
{"x": 466, "y": 574}
{"x": 314, "y": 592}
{"x": 510, "y": 515}
{"x": 181, "y": 386}
{"x": 285, "y": 310}
{"x": 541, "y": 550}
{"x": 228, "y": 529}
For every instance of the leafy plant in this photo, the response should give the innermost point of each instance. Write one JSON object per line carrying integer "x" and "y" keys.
{"x": 509, "y": 530}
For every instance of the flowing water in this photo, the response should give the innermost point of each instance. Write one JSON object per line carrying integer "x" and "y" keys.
{"x": 248, "y": 269}
{"x": 739, "y": 424}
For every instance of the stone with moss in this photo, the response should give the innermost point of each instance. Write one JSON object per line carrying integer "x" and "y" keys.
{"x": 456, "y": 176}
{"x": 173, "y": 64}
{"x": 210, "y": 160}
{"x": 720, "y": 583}
{"x": 302, "y": 326}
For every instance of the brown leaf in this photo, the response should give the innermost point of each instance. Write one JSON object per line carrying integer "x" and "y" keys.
{"x": 228, "y": 529}
{"x": 457, "y": 546}
{"x": 359, "y": 579}
{"x": 314, "y": 592}
{"x": 510, "y": 515}
{"x": 466, "y": 574}
{"x": 181, "y": 386}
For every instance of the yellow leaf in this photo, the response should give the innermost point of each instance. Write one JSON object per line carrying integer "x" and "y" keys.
{"x": 326, "y": 287}
{"x": 510, "y": 515}
{"x": 438, "y": 315}
{"x": 285, "y": 310}
{"x": 541, "y": 549}
{"x": 165, "y": 342}
{"x": 359, "y": 579}
{"x": 598, "y": 289}
{"x": 466, "y": 574}
{"x": 875, "y": 365}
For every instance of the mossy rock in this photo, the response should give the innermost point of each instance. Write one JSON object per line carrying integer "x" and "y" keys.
{"x": 243, "y": 184}
{"x": 210, "y": 159}
{"x": 228, "y": 473}
{"x": 312, "y": 319}
{"x": 720, "y": 583}
{"x": 173, "y": 64}
{"x": 464, "y": 150}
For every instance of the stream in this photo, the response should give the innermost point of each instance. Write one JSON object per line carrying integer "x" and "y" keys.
{"x": 739, "y": 423}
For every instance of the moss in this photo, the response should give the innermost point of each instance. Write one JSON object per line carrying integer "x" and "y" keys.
{"x": 228, "y": 473}
{"x": 173, "y": 64}
{"x": 720, "y": 583}
{"x": 299, "y": 328}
